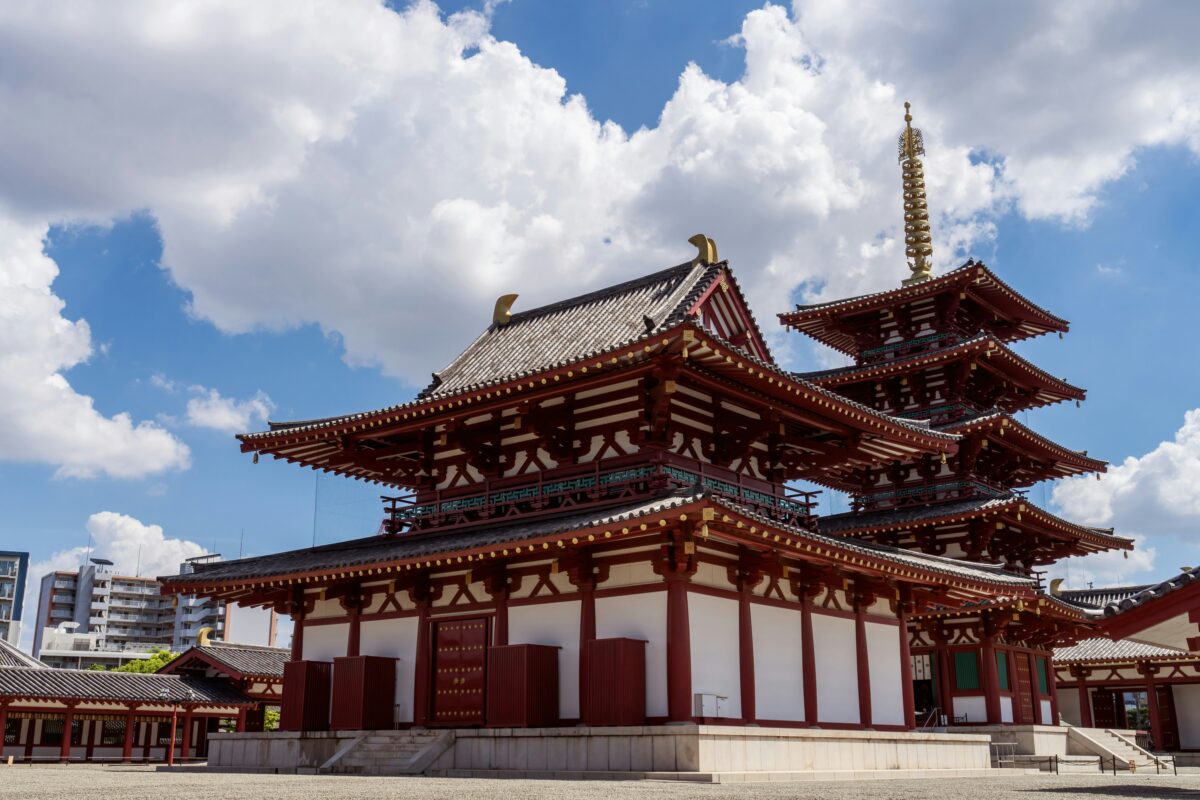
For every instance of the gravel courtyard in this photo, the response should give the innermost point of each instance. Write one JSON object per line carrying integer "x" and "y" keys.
{"x": 84, "y": 783}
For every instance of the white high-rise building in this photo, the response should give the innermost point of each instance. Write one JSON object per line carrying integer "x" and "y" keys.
{"x": 13, "y": 567}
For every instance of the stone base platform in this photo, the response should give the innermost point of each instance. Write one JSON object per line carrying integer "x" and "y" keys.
{"x": 732, "y": 777}
{"x": 731, "y": 753}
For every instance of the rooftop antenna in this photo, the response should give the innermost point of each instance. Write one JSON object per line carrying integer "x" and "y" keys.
{"x": 316, "y": 492}
{"x": 241, "y": 541}
{"x": 137, "y": 572}
{"x": 918, "y": 246}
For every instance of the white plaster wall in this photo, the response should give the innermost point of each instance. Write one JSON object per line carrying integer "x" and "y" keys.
{"x": 1187, "y": 711}
{"x": 887, "y": 691}
{"x": 778, "y": 663}
{"x": 640, "y": 616}
{"x": 393, "y": 638}
{"x": 713, "y": 575}
{"x": 554, "y": 624}
{"x": 325, "y": 642}
{"x": 836, "y": 660}
{"x": 630, "y": 575}
{"x": 716, "y": 669}
{"x": 975, "y": 708}
{"x": 1047, "y": 717}
{"x": 1068, "y": 705}
{"x": 1006, "y": 714}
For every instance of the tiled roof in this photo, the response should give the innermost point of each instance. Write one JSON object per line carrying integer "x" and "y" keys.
{"x": 571, "y": 329}
{"x": 246, "y": 659}
{"x": 1099, "y": 597}
{"x": 379, "y": 549}
{"x": 1102, "y": 650}
{"x": 815, "y": 319}
{"x": 12, "y": 656}
{"x": 898, "y": 518}
{"x": 81, "y": 684}
{"x": 1185, "y": 578}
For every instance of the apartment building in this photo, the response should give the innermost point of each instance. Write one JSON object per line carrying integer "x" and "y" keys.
{"x": 96, "y": 616}
{"x": 13, "y": 568}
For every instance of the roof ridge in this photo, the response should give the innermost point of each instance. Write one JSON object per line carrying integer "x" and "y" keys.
{"x": 598, "y": 294}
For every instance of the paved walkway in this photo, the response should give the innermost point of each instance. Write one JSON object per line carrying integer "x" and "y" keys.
{"x": 115, "y": 783}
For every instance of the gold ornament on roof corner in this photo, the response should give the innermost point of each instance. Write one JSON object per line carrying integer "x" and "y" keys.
{"x": 918, "y": 244}
{"x": 707, "y": 248}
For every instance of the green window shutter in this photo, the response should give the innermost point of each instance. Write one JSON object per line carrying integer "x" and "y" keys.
{"x": 1043, "y": 681}
{"x": 1002, "y": 668}
{"x": 966, "y": 670}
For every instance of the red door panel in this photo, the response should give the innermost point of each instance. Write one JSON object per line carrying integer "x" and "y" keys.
{"x": 1166, "y": 718}
{"x": 1024, "y": 696}
{"x": 1104, "y": 709}
{"x": 459, "y": 671}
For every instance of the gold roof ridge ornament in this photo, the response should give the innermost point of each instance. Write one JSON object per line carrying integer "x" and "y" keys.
{"x": 707, "y": 248}
{"x": 202, "y": 636}
{"x": 502, "y": 313}
{"x": 918, "y": 244}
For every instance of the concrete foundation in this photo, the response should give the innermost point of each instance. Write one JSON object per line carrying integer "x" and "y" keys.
{"x": 704, "y": 752}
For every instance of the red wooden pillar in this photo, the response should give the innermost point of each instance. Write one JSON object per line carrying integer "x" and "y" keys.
{"x": 500, "y": 635}
{"x": 186, "y": 744}
{"x": 298, "y": 635}
{"x": 3, "y": 724}
{"x": 421, "y": 686}
{"x": 864, "y": 663}
{"x": 64, "y": 750}
{"x": 1156, "y": 730}
{"x": 587, "y": 632}
{"x": 1052, "y": 680}
{"x": 1015, "y": 686}
{"x": 746, "y": 654}
{"x": 991, "y": 677}
{"x": 127, "y": 746}
{"x": 241, "y": 720}
{"x": 906, "y": 676}
{"x": 1085, "y": 701}
{"x": 679, "y": 651}
{"x": 354, "y": 637}
{"x": 808, "y": 666}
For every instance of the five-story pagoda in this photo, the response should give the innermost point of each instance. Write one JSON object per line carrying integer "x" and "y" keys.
{"x": 937, "y": 350}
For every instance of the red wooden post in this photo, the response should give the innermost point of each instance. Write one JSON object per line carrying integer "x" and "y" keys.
{"x": 298, "y": 636}
{"x": 746, "y": 654}
{"x": 906, "y": 675}
{"x": 3, "y": 724}
{"x": 1052, "y": 680}
{"x": 421, "y": 686}
{"x": 587, "y": 632}
{"x": 186, "y": 745}
{"x": 241, "y": 720}
{"x": 945, "y": 682}
{"x": 500, "y": 634}
{"x": 864, "y": 663}
{"x": 991, "y": 677}
{"x": 64, "y": 749}
{"x": 679, "y": 651}
{"x": 1085, "y": 701}
{"x": 355, "y": 635}
{"x": 171, "y": 741}
{"x": 127, "y": 746}
{"x": 1156, "y": 730}
{"x": 1015, "y": 686}
{"x": 808, "y": 666}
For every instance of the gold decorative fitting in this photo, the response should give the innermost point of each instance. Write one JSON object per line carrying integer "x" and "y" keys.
{"x": 918, "y": 243}
{"x": 502, "y": 313}
{"x": 707, "y": 249}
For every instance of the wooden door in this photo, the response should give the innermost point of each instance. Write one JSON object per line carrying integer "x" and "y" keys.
{"x": 459, "y": 671}
{"x": 1104, "y": 708}
{"x": 1024, "y": 688}
{"x": 1166, "y": 718}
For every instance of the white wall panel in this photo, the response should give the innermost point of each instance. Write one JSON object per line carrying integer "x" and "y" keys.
{"x": 836, "y": 660}
{"x": 640, "y": 616}
{"x": 1068, "y": 705}
{"x": 1006, "y": 714}
{"x": 974, "y": 708}
{"x": 1187, "y": 711}
{"x": 887, "y": 691}
{"x": 395, "y": 638}
{"x": 325, "y": 642}
{"x": 1047, "y": 713}
{"x": 716, "y": 668}
{"x": 554, "y": 624}
{"x": 778, "y": 663}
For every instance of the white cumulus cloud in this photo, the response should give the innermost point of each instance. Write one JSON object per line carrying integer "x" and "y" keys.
{"x": 387, "y": 174}
{"x": 42, "y": 418}
{"x": 226, "y": 414}
{"x": 134, "y": 547}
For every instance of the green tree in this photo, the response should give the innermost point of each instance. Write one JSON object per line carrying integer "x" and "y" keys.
{"x": 157, "y": 660}
{"x": 270, "y": 719}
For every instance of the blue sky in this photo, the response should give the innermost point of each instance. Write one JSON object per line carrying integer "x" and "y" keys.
{"x": 289, "y": 271}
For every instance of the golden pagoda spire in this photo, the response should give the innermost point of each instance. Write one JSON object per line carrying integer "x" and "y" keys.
{"x": 918, "y": 245}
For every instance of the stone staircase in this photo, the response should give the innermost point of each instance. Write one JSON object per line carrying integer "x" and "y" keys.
{"x": 1108, "y": 744}
{"x": 389, "y": 753}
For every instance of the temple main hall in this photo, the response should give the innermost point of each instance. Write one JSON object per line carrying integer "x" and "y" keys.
{"x": 597, "y": 555}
